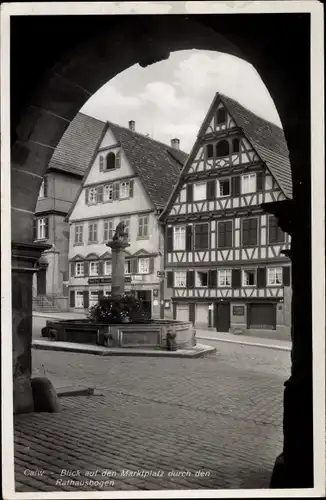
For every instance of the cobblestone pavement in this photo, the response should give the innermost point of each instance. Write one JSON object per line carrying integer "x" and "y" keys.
{"x": 204, "y": 423}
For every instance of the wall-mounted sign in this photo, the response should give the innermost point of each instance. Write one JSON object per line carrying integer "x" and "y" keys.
{"x": 161, "y": 274}
{"x": 96, "y": 281}
{"x": 155, "y": 302}
{"x": 167, "y": 304}
{"x": 238, "y": 310}
{"x": 155, "y": 292}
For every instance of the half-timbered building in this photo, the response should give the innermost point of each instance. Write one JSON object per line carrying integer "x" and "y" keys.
{"x": 129, "y": 179}
{"x": 224, "y": 258}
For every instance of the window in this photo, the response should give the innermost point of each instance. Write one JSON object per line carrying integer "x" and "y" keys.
{"x": 179, "y": 238}
{"x": 274, "y": 276}
{"x": 110, "y": 161}
{"x": 108, "y": 230}
{"x": 79, "y": 299}
{"x": 249, "y": 232}
{"x": 127, "y": 267}
{"x": 79, "y": 269}
{"x": 108, "y": 192}
{"x": 180, "y": 279}
{"x": 42, "y": 191}
{"x": 224, "y": 234}
{"x": 249, "y": 277}
{"x": 92, "y": 232}
{"x": 93, "y": 297}
{"x": 127, "y": 225}
{"x": 93, "y": 268}
{"x": 235, "y": 145}
{"x": 248, "y": 183}
{"x": 224, "y": 277}
{"x": 222, "y": 148}
{"x": 142, "y": 226}
{"x": 275, "y": 233}
{"x": 143, "y": 265}
{"x": 124, "y": 190}
{"x": 210, "y": 150}
{"x": 199, "y": 191}
{"x": 108, "y": 267}
{"x": 79, "y": 230}
{"x": 221, "y": 116}
{"x": 223, "y": 188}
{"x": 201, "y": 236}
{"x": 42, "y": 229}
{"x": 92, "y": 196}
{"x": 201, "y": 278}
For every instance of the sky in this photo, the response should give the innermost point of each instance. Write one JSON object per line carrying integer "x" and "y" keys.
{"x": 170, "y": 99}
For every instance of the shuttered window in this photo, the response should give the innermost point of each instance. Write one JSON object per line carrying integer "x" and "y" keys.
{"x": 92, "y": 232}
{"x": 199, "y": 192}
{"x": 110, "y": 161}
{"x": 224, "y": 234}
{"x": 224, "y": 277}
{"x": 143, "y": 265}
{"x": 275, "y": 233}
{"x": 180, "y": 279}
{"x": 143, "y": 226}
{"x": 249, "y": 232}
{"x": 248, "y": 183}
{"x": 274, "y": 276}
{"x": 79, "y": 233}
{"x": 179, "y": 238}
{"x": 108, "y": 230}
{"x": 201, "y": 236}
{"x": 79, "y": 269}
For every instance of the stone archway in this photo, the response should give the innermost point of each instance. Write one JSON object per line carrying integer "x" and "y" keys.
{"x": 79, "y": 65}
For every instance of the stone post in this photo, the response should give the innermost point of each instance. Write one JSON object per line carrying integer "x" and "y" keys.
{"x": 118, "y": 266}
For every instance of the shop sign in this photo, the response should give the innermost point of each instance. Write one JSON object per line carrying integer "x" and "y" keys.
{"x": 238, "y": 311}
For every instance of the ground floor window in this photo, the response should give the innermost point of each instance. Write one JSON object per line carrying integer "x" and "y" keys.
{"x": 201, "y": 278}
{"x": 79, "y": 299}
{"x": 93, "y": 297}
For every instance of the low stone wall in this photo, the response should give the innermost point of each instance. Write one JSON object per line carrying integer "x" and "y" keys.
{"x": 156, "y": 334}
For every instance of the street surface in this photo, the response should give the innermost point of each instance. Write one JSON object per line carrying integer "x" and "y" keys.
{"x": 213, "y": 422}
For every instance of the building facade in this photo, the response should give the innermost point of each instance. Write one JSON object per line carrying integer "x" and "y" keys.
{"x": 130, "y": 179}
{"x": 57, "y": 193}
{"x": 224, "y": 260}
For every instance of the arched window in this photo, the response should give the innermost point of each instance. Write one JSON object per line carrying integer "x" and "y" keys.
{"x": 110, "y": 161}
{"x": 210, "y": 150}
{"x": 222, "y": 148}
{"x": 221, "y": 116}
{"x": 235, "y": 146}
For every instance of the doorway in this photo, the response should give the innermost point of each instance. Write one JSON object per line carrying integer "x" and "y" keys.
{"x": 41, "y": 282}
{"x": 222, "y": 317}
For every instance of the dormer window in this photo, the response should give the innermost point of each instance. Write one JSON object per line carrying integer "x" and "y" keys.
{"x": 222, "y": 148}
{"x": 110, "y": 162}
{"x": 221, "y": 116}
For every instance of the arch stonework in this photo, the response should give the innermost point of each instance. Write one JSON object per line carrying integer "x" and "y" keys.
{"x": 47, "y": 94}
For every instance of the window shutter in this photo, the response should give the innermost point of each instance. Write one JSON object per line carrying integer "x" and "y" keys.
{"x": 190, "y": 279}
{"x": 134, "y": 266}
{"x": 259, "y": 181}
{"x": 212, "y": 278}
{"x": 170, "y": 279}
{"x": 86, "y": 299}
{"x": 115, "y": 194}
{"x": 72, "y": 269}
{"x": 236, "y": 278}
{"x": 245, "y": 232}
{"x": 117, "y": 159}
{"x": 221, "y": 235}
{"x": 169, "y": 239}
{"x": 86, "y": 195}
{"x": 45, "y": 186}
{"x": 201, "y": 236}
{"x": 189, "y": 238}
{"x": 101, "y": 163}
{"x": 286, "y": 276}
{"x": 151, "y": 265}
{"x": 35, "y": 229}
{"x": 236, "y": 186}
{"x": 72, "y": 298}
{"x": 253, "y": 233}
{"x": 86, "y": 269}
{"x": 131, "y": 189}
{"x": 190, "y": 191}
{"x": 100, "y": 194}
{"x": 261, "y": 277}
{"x": 46, "y": 228}
{"x": 211, "y": 190}
{"x": 228, "y": 234}
{"x": 100, "y": 268}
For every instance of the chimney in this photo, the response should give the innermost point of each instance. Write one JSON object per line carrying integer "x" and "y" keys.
{"x": 175, "y": 143}
{"x": 131, "y": 125}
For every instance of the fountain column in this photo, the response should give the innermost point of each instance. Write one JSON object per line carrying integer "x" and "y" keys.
{"x": 118, "y": 247}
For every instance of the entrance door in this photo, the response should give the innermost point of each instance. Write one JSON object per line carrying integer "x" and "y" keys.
{"x": 41, "y": 282}
{"x": 222, "y": 317}
{"x": 146, "y": 297}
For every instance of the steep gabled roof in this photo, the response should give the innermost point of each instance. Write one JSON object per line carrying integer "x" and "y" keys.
{"x": 265, "y": 137}
{"x": 77, "y": 145}
{"x": 157, "y": 165}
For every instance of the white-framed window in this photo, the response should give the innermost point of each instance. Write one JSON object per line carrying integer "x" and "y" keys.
{"x": 41, "y": 192}
{"x": 201, "y": 278}
{"x": 79, "y": 299}
{"x": 248, "y": 183}
{"x": 179, "y": 237}
{"x": 93, "y": 268}
{"x": 274, "y": 276}
{"x": 108, "y": 230}
{"x": 199, "y": 191}
{"x": 108, "y": 267}
{"x": 108, "y": 192}
{"x": 41, "y": 233}
{"x": 224, "y": 277}
{"x": 127, "y": 225}
{"x": 124, "y": 190}
{"x": 93, "y": 297}
{"x": 143, "y": 265}
{"x": 180, "y": 279}
{"x": 223, "y": 188}
{"x": 143, "y": 226}
{"x": 249, "y": 277}
{"x": 92, "y": 232}
{"x": 79, "y": 233}
{"x": 127, "y": 267}
{"x": 79, "y": 269}
{"x": 92, "y": 196}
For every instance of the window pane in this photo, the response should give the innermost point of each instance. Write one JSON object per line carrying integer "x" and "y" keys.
{"x": 200, "y": 191}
